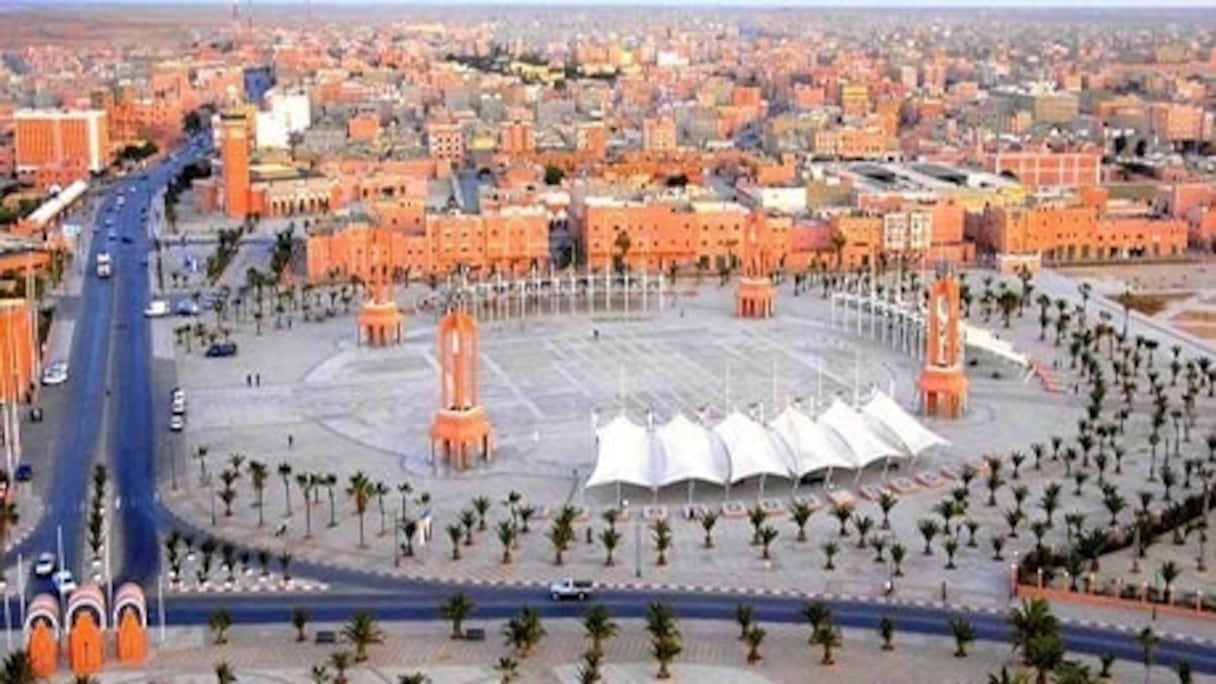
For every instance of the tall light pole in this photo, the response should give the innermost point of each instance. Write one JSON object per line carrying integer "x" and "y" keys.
{"x": 637, "y": 541}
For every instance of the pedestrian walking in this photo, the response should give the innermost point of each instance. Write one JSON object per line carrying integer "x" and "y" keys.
{"x": 257, "y": 380}
{"x": 291, "y": 440}
{"x": 248, "y": 380}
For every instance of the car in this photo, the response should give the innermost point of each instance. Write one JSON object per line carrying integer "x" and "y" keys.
{"x": 157, "y": 308}
{"x": 64, "y": 582}
{"x": 111, "y": 235}
{"x": 221, "y": 349}
{"x": 177, "y": 423}
{"x": 186, "y": 307}
{"x": 179, "y": 405}
{"x": 45, "y": 565}
{"x": 25, "y": 472}
{"x": 55, "y": 373}
{"x": 570, "y": 588}
{"x": 127, "y": 239}
{"x": 178, "y": 394}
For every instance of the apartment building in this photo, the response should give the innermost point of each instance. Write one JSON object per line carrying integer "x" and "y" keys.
{"x": 57, "y": 147}
{"x": 1040, "y": 170}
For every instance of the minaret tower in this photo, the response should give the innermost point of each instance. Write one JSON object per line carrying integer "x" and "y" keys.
{"x": 943, "y": 384}
{"x": 461, "y": 426}
{"x": 755, "y": 294}
{"x": 380, "y": 321}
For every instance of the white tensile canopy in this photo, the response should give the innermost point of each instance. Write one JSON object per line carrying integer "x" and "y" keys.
{"x": 751, "y": 449}
{"x": 623, "y": 455}
{"x": 814, "y": 446}
{"x": 902, "y": 427}
{"x": 853, "y": 428}
{"x": 688, "y": 452}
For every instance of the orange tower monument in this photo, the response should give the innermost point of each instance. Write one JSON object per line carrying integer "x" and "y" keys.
{"x": 943, "y": 383}
{"x": 755, "y": 294}
{"x": 461, "y": 424}
{"x": 380, "y": 321}
{"x": 234, "y": 156}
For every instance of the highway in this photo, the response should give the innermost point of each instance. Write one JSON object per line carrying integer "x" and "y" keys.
{"x": 112, "y": 321}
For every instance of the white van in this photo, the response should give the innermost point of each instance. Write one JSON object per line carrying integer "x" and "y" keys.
{"x": 104, "y": 265}
{"x": 157, "y": 309}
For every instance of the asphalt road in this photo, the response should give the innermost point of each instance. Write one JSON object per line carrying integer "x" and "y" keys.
{"x": 112, "y": 315}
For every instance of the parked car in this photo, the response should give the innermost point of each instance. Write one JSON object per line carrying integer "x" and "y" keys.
{"x": 55, "y": 373}
{"x": 179, "y": 405}
{"x": 222, "y": 349}
{"x": 186, "y": 307}
{"x": 570, "y": 588}
{"x": 45, "y": 565}
{"x": 157, "y": 308}
{"x": 177, "y": 422}
{"x": 64, "y": 582}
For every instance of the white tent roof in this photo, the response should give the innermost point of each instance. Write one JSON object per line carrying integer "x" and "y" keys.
{"x": 751, "y": 449}
{"x": 852, "y": 427}
{"x": 985, "y": 340}
{"x": 914, "y": 437}
{"x": 814, "y": 446}
{"x": 623, "y": 454}
{"x": 688, "y": 452}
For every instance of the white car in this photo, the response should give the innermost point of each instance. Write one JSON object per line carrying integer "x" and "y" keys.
{"x": 177, "y": 422}
{"x": 64, "y": 582}
{"x": 45, "y": 565}
{"x": 179, "y": 405}
{"x": 55, "y": 373}
{"x": 157, "y": 309}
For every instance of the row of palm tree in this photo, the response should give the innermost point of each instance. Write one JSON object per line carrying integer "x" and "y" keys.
{"x": 183, "y": 546}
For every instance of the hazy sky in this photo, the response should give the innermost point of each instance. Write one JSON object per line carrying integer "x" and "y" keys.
{"x": 1037, "y": 4}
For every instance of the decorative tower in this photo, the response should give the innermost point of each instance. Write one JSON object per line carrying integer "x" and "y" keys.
{"x": 234, "y": 156}
{"x": 461, "y": 425}
{"x": 755, "y": 293}
{"x": 380, "y": 321}
{"x": 943, "y": 384}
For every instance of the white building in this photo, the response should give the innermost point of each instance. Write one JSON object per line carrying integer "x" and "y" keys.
{"x": 288, "y": 114}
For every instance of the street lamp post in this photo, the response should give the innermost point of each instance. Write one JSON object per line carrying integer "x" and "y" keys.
{"x": 637, "y": 542}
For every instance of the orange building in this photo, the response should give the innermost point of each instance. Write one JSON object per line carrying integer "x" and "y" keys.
{"x": 660, "y": 135}
{"x": 19, "y": 350}
{"x": 1080, "y": 232}
{"x": 57, "y": 147}
{"x": 510, "y": 241}
{"x": 591, "y": 137}
{"x": 516, "y": 137}
{"x": 445, "y": 142}
{"x": 234, "y": 155}
{"x": 943, "y": 383}
{"x": 364, "y": 127}
{"x": 1048, "y": 169}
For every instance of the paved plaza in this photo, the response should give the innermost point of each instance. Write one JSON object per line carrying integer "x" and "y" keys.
{"x": 712, "y": 654}
{"x": 349, "y": 409}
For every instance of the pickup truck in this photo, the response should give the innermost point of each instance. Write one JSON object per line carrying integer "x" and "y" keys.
{"x": 570, "y": 588}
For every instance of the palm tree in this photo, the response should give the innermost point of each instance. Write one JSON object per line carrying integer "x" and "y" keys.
{"x": 754, "y": 637}
{"x": 224, "y": 674}
{"x": 664, "y": 635}
{"x": 457, "y": 609}
{"x": 329, "y": 481}
{"x": 299, "y": 620}
{"x": 745, "y": 615}
{"x": 610, "y": 537}
{"x": 455, "y": 534}
{"x": 219, "y": 622}
{"x": 886, "y": 502}
{"x": 661, "y": 531}
{"x": 258, "y": 474}
{"x": 827, "y": 636}
{"x": 886, "y": 630}
{"x": 468, "y": 520}
{"x": 963, "y": 633}
{"x": 599, "y": 626}
{"x": 928, "y": 529}
{"x": 816, "y": 613}
{"x": 524, "y": 631}
{"x": 506, "y": 537}
{"x": 1148, "y": 640}
{"x": 507, "y": 669}
{"x": 340, "y": 660}
{"x": 481, "y": 505}
{"x": 1031, "y": 620}
{"x": 801, "y": 513}
{"x": 307, "y": 484}
{"x": 18, "y": 668}
{"x": 285, "y": 474}
{"x": 561, "y": 533}
{"x": 708, "y": 520}
{"x": 830, "y": 549}
{"x": 768, "y": 534}
{"x": 361, "y": 490}
{"x": 362, "y": 631}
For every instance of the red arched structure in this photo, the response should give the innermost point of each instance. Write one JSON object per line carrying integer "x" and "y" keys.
{"x": 131, "y": 624}
{"x": 943, "y": 384}
{"x": 461, "y": 425}
{"x": 755, "y": 294}
{"x": 86, "y": 625}
{"x": 42, "y": 631}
